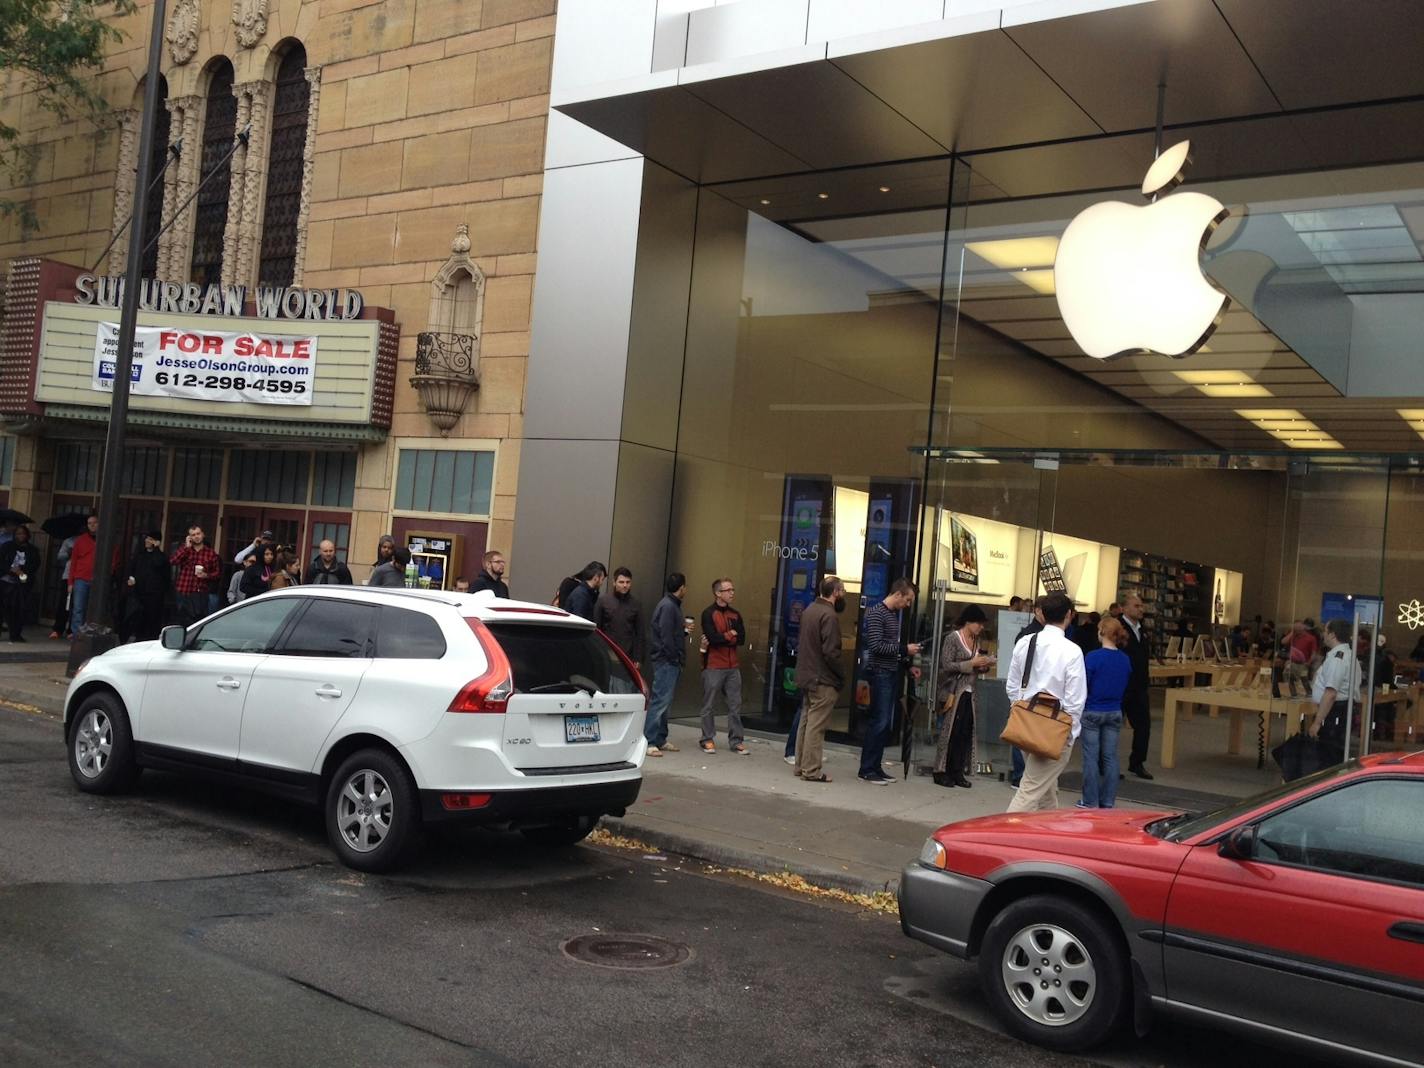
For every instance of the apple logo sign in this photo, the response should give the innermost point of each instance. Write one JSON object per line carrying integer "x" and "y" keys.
{"x": 1129, "y": 279}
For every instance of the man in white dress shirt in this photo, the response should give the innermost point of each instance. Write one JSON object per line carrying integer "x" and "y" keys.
{"x": 1057, "y": 669}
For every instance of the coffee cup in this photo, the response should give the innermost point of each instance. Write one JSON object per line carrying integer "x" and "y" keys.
{"x": 199, "y": 571}
{"x": 24, "y": 577}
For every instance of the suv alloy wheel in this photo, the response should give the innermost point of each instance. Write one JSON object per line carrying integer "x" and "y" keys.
{"x": 371, "y": 810}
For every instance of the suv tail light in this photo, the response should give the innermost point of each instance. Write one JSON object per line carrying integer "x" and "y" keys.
{"x": 631, "y": 667}
{"x": 490, "y": 691}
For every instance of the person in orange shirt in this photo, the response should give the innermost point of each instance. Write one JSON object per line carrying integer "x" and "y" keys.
{"x": 722, "y": 632}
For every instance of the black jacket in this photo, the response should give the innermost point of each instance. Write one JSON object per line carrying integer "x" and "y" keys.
{"x": 669, "y": 639}
{"x": 486, "y": 581}
{"x": 152, "y": 574}
{"x": 1137, "y": 654}
{"x": 9, "y": 551}
{"x": 253, "y": 584}
{"x": 621, "y": 618}
{"x": 581, "y": 601}
{"x": 338, "y": 574}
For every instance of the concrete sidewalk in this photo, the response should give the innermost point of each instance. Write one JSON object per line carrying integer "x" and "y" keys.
{"x": 752, "y": 812}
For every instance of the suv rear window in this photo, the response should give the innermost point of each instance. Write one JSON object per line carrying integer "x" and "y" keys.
{"x": 548, "y": 659}
{"x": 406, "y": 635}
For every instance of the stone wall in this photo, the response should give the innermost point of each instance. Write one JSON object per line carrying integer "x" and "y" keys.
{"x": 428, "y": 114}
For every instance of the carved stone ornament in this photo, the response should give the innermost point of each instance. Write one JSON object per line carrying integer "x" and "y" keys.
{"x": 182, "y": 32}
{"x": 249, "y": 18}
{"x": 447, "y": 355}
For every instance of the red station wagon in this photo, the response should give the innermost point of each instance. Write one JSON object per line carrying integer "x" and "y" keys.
{"x": 1295, "y": 916}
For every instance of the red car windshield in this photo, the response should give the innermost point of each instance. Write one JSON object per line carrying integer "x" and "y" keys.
{"x": 1189, "y": 825}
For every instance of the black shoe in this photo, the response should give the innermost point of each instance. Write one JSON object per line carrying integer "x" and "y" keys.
{"x": 1141, "y": 772}
{"x": 960, "y": 780}
{"x": 940, "y": 779}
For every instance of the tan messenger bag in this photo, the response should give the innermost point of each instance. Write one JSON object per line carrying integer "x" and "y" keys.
{"x": 1038, "y": 725}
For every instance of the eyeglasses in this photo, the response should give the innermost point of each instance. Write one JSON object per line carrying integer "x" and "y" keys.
{"x": 728, "y": 589}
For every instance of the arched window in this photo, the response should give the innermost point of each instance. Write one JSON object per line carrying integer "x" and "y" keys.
{"x": 219, "y": 128}
{"x": 284, "y": 171}
{"x": 153, "y": 219}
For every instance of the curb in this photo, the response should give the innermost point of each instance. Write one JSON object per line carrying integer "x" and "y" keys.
{"x": 730, "y": 857}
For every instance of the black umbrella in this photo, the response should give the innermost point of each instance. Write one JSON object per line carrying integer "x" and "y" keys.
{"x": 65, "y": 526}
{"x": 9, "y": 515}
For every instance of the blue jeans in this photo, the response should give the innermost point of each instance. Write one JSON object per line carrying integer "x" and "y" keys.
{"x": 882, "y": 716}
{"x": 655, "y": 725}
{"x": 1016, "y": 762}
{"x": 1100, "y": 765}
{"x": 795, "y": 726}
{"x": 77, "y": 604}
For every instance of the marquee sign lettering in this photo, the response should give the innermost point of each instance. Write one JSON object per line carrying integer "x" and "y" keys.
{"x": 190, "y": 298}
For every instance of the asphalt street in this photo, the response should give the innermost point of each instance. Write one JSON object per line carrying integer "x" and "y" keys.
{"x": 184, "y": 924}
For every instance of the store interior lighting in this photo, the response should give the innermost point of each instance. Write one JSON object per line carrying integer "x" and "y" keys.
{"x": 1290, "y": 427}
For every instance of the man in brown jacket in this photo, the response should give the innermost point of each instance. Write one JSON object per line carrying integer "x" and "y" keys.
{"x": 819, "y": 676}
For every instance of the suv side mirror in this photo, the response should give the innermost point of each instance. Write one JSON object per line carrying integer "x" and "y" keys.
{"x": 173, "y": 638}
{"x": 1240, "y": 844}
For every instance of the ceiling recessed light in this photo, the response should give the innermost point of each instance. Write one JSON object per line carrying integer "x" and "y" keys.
{"x": 1213, "y": 378}
{"x": 1040, "y": 281}
{"x": 765, "y": 201}
{"x": 1237, "y": 389}
{"x": 885, "y": 189}
{"x": 823, "y": 196}
{"x": 1013, "y": 253}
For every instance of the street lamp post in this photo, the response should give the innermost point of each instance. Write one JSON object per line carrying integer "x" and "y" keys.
{"x": 96, "y": 635}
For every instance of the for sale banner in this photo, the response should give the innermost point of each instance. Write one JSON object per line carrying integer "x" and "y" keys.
{"x": 210, "y": 365}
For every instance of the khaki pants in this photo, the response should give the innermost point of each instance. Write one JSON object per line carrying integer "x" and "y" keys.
{"x": 1038, "y": 789}
{"x": 811, "y": 735}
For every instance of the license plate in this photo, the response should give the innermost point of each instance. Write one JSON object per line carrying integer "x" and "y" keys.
{"x": 581, "y": 729}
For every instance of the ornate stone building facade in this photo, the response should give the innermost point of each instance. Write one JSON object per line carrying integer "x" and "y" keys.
{"x": 329, "y": 144}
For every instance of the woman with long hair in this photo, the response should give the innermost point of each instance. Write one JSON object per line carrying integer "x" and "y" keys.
{"x": 1108, "y": 669}
{"x": 960, "y": 663}
{"x": 257, "y": 579}
{"x": 288, "y": 573}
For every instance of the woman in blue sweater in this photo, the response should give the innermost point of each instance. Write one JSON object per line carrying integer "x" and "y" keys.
{"x": 1108, "y": 669}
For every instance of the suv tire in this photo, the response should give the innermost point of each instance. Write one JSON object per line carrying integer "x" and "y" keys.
{"x": 1055, "y": 972}
{"x": 558, "y": 835}
{"x": 372, "y": 811}
{"x": 100, "y": 745}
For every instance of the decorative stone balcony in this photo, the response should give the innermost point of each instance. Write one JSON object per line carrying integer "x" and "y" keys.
{"x": 445, "y": 375}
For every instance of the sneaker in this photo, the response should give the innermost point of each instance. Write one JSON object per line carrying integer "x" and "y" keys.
{"x": 707, "y": 747}
{"x": 1079, "y": 804}
{"x": 741, "y": 750}
{"x": 877, "y": 780}
{"x": 668, "y": 747}
{"x": 791, "y": 760}
{"x": 54, "y": 635}
{"x": 654, "y": 751}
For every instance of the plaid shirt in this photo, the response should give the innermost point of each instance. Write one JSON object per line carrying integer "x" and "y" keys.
{"x": 185, "y": 559}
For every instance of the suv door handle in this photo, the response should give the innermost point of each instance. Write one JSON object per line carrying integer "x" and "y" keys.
{"x": 228, "y": 683}
{"x": 1408, "y": 932}
{"x": 328, "y": 691}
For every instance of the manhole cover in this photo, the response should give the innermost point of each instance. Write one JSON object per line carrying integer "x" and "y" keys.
{"x": 628, "y": 951}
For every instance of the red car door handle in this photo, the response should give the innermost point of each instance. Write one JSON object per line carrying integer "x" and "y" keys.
{"x": 1408, "y": 932}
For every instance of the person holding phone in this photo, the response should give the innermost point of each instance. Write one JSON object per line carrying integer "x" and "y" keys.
{"x": 961, "y": 662}
{"x": 198, "y": 568}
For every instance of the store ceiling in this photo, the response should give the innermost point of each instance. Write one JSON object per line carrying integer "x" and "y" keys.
{"x": 1066, "y": 107}
{"x": 980, "y": 88}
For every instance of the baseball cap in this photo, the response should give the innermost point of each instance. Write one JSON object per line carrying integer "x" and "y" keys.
{"x": 267, "y": 535}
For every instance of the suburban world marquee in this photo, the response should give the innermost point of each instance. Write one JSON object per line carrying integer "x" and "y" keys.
{"x": 190, "y": 298}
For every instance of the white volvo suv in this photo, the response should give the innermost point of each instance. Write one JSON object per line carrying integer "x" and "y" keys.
{"x": 391, "y": 709}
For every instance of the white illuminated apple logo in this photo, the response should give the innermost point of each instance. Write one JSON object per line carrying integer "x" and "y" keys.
{"x": 1129, "y": 278}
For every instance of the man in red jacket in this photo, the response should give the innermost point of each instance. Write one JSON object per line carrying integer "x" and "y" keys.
{"x": 81, "y": 572}
{"x": 722, "y": 631}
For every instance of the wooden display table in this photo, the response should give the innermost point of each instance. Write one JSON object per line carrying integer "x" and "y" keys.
{"x": 1239, "y": 702}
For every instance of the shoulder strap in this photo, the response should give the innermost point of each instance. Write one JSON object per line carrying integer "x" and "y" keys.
{"x": 1028, "y": 659}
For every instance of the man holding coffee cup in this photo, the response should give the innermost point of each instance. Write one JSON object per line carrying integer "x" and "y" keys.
{"x": 198, "y": 568}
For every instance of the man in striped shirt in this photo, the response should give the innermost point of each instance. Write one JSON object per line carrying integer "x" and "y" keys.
{"x": 885, "y": 654}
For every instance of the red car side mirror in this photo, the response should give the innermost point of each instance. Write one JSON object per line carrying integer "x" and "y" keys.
{"x": 1240, "y": 844}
